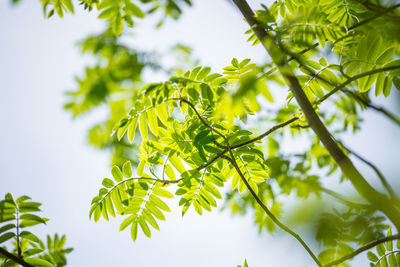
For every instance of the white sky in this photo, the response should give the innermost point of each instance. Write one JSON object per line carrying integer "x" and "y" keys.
{"x": 44, "y": 153}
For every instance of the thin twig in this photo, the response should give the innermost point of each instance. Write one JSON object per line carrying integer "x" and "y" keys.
{"x": 270, "y": 214}
{"x": 234, "y": 163}
{"x": 315, "y": 45}
{"x": 268, "y": 132}
{"x": 354, "y": 78}
{"x": 370, "y": 105}
{"x": 377, "y": 171}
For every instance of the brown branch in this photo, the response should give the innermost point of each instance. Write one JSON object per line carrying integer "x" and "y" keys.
{"x": 361, "y": 249}
{"x": 377, "y": 199}
{"x": 14, "y": 258}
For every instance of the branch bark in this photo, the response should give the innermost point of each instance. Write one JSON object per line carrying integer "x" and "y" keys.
{"x": 377, "y": 199}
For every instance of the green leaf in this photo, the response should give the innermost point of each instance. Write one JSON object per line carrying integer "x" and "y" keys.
{"x": 69, "y": 5}
{"x": 380, "y": 249}
{"x": 177, "y": 163}
{"x": 392, "y": 261}
{"x": 396, "y": 82}
{"x": 134, "y": 231}
{"x": 7, "y": 227}
{"x": 323, "y": 62}
{"x": 125, "y": 223}
{"x": 22, "y": 199}
{"x": 152, "y": 121}
{"x": 6, "y": 236}
{"x": 380, "y": 83}
{"x": 203, "y": 73}
{"x": 162, "y": 192}
{"x": 107, "y": 182}
{"x": 159, "y": 203}
{"x": 143, "y": 125}
{"x": 197, "y": 208}
{"x": 117, "y": 174}
{"x": 33, "y": 217}
{"x": 235, "y": 62}
{"x": 127, "y": 169}
{"x": 140, "y": 168}
{"x": 389, "y": 244}
{"x": 162, "y": 113}
{"x": 372, "y": 257}
{"x": 132, "y": 130}
{"x": 109, "y": 205}
{"x": 133, "y": 9}
{"x": 387, "y": 86}
{"x": 170, "y": 172}
{"x": 29, "y": 207}
{"x": 30, "y": 236}
{"x": 145, "y": 227}
{"x": 38, "y": 262}
{"x": 150, "y": 219}
{"x": 108, "y": 13}
{"x": 117, "y": 25}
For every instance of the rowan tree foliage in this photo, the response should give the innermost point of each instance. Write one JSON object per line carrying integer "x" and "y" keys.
{"x": 201, "y": 131}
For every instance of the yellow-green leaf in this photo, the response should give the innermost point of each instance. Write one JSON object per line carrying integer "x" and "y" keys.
{"x": 116, "y": 173}
{"x": 132, "y": 130}
{"x": 127, "y": 169}
{"x": 170, "y": 172}
{"x": 152, "y": 120}
{"x": 143, "y": 125}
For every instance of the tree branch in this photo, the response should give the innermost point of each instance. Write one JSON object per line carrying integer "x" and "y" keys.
{"x": 14, "y": 258}
{"x": 361, "y": 249}
{"x": 370, "y": 105}
{"x": 379, "y": 173}
{"x": 268, "y": 132}
{"x": 377, "y": 199}
{"x": 354, "y": 78}
{"x": 234, "y": 163}
{"x": 350, "y": 28}
{"x": 269, "y": 213}
{"x": 343, "y": 199}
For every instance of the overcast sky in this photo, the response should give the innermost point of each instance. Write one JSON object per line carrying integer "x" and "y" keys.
{"x": 44, "y": 153}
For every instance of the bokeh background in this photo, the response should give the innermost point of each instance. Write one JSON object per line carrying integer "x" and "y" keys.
{"x": 44, "y": 152}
